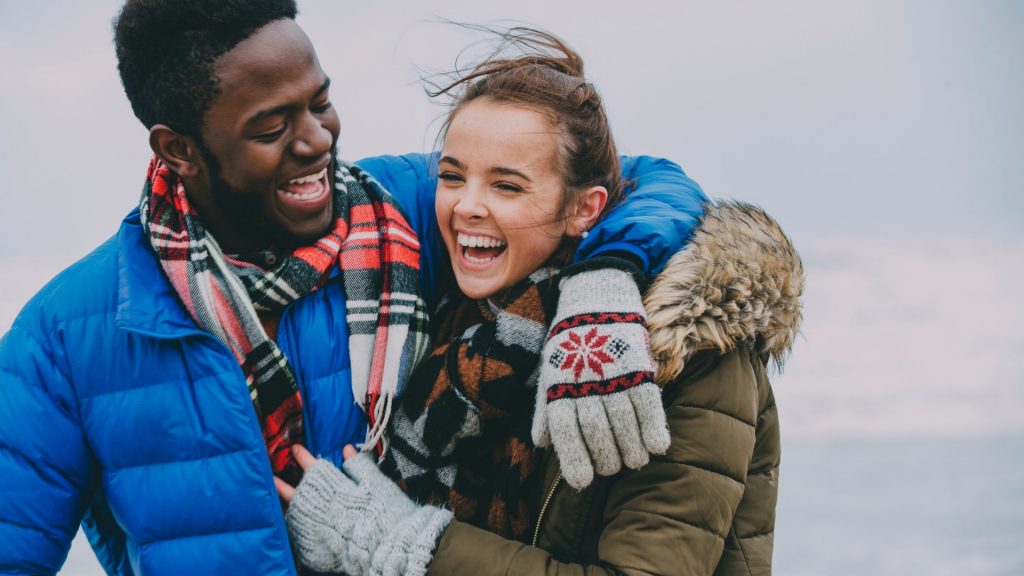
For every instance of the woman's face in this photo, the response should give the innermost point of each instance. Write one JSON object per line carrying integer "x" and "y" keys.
{"x": 499, "y": 194}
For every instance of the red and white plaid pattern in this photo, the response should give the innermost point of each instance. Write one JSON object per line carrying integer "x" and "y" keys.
{"x": 378, "y": 253}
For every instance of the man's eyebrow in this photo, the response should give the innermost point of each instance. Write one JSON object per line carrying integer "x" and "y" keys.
{"x": 277, "y": 110}
{"x": 263, "y": 114}
{"x": 324, "y": 87}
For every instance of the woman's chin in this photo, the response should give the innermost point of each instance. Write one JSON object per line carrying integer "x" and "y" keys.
{"x": 479, "y": 287}
{"x": 478, "y": 290}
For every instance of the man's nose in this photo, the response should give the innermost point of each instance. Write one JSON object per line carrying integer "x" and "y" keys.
{"x": 313, "y": 139}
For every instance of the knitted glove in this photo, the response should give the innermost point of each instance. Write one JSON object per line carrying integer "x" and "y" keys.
{"x": 361, "y": 522}
{"x": 596, "y": 396}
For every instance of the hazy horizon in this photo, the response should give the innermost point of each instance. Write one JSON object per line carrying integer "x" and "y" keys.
{"x": 885, "y": 137}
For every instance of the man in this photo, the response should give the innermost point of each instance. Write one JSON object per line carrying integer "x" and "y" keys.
{"x": 262, "y": 289}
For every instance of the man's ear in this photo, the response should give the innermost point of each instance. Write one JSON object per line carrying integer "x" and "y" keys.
{"x": 178, "y": 152}
{"x": 591, "y": 203}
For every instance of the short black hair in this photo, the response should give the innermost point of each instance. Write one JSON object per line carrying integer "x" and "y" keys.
{"x": 166, "y": 50}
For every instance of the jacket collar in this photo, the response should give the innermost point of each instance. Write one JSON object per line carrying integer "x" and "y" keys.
{"x": 146, "y": 300}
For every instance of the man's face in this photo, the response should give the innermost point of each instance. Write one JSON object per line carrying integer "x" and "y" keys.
{"x": 269, "y": 139}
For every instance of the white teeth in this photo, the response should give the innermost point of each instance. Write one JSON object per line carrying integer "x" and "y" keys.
{"x": 311, "y": 178}
{"x": 479, "y": 260}
{"x": 479, "y": 242}
{"x": 319, "y": 176}
{"x": 467, "y": 241}
{"x": 301, "y": 196}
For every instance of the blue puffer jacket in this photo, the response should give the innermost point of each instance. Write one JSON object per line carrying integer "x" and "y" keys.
{"x": 117, "y": 412}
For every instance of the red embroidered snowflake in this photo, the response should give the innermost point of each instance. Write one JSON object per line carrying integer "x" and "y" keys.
{"x": 591, "y": 351}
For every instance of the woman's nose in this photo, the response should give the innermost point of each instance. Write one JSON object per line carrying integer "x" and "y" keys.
{"x": 471, "y": 204}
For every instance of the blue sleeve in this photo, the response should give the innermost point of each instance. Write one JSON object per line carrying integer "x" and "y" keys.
{"x": 654, "y": 220}
{"x": 412, "y": 180}
{"x": 46, "y": 466}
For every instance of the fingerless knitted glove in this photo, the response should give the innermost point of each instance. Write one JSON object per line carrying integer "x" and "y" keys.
{"x": 360, "y": 522}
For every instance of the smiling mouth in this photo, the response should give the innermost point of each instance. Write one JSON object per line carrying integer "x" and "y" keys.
{"x": 306, "y": 188}
{"x": 480, "y": 249}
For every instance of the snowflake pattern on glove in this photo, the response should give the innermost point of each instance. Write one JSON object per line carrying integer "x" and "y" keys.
{"x": 593, "y": 350}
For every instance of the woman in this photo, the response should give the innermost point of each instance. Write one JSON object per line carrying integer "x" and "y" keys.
{"x": 527, "y": 167}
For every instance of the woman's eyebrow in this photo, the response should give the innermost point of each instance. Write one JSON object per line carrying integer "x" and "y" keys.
{"x": 505, "y": 171}
{"x": 451, "y": 160}
{"x": 498, "y": 170}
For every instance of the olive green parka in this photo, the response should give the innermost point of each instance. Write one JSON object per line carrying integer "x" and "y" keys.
{"x": 722, "y": 309}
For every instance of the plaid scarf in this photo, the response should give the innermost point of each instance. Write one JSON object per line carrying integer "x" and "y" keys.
{"x": 378, "y": 254}
{"x": 461, "y": 434}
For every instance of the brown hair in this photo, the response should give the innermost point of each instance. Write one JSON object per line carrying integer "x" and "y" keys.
{"x": 538, "y": 70}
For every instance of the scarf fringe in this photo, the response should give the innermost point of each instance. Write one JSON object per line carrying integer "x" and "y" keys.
{"x": 381, "y": 416}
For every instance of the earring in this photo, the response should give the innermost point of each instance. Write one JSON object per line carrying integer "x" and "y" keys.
{"x": 584, "y": 233}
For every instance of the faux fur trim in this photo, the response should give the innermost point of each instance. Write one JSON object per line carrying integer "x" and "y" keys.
{"x": 738, "y": 281}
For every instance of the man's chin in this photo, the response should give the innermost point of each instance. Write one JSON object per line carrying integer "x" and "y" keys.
{"x": 292, "y": 238}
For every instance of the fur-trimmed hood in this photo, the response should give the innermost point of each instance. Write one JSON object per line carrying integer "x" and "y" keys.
{"x": 738, "y": 281}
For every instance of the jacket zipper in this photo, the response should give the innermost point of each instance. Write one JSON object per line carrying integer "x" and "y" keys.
{"x": 544, "y": 508}
{"x": 300, "y": 383}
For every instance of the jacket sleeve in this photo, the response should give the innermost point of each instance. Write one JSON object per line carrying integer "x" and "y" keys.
{"x": 674, "y": 515}
{"x": 466, "y": 550}
{"x": 655, "y": 219}
{"x": 45, "y": 464}
{"x": 660, "y": 211}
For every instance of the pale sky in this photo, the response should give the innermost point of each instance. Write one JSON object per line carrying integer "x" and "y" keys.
{"x": 862, "y": 117}
{"x": 886, "y": 137}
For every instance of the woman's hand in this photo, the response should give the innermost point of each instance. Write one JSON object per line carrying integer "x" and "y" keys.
{"x": 597, "y": 402}
{"x": 357, "y": 520}
{"x": 306, "y": 461}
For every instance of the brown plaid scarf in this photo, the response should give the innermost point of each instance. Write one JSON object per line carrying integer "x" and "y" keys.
{"x": 461, "y": 434}
{"x": 378, "y": 254}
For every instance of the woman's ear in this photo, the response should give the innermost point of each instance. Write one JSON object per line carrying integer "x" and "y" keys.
{"x": 591, "y": 203}
{"x": 178, "y": 152}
